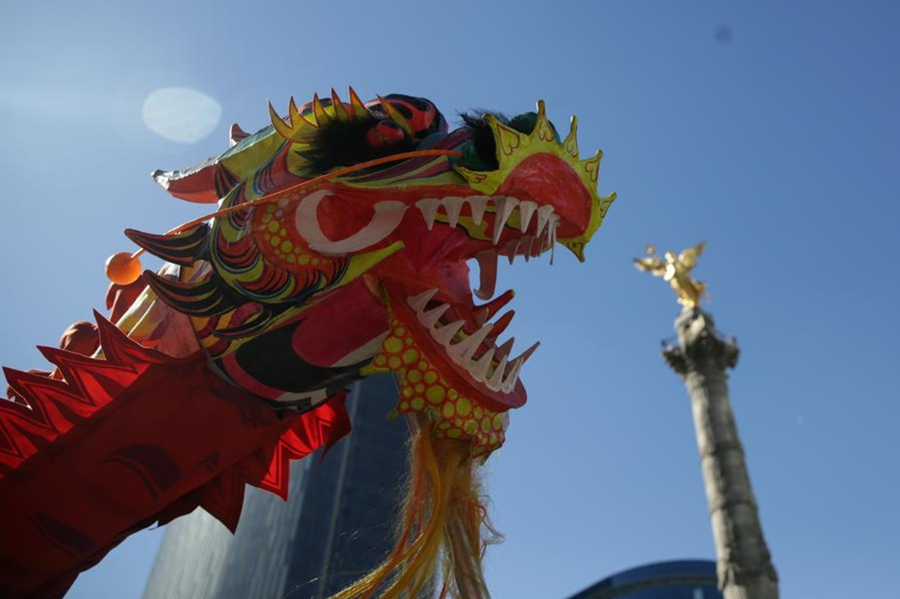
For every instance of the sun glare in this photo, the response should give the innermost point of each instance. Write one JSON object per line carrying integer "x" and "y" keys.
{"x": 181, "y": 114}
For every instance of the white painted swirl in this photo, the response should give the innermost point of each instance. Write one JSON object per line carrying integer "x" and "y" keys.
{"x": 387, "y": 218}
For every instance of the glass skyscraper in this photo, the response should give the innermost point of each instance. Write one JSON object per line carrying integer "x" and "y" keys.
{"x": 336, "y": 525}
{"x": 684, "y": 579}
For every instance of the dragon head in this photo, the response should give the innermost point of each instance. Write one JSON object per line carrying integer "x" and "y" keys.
{"x": 320, "y": 272}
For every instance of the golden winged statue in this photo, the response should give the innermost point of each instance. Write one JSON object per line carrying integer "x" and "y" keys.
{"x": 677, "y": 272}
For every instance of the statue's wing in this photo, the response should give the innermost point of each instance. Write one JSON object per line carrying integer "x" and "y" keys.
{"x": 654, "y": 265}
{"x": 689, "y": 256}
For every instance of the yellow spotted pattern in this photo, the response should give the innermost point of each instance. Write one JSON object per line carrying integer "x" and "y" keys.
{"x": 424, "y": 389}
{"x": 276, "y": 242}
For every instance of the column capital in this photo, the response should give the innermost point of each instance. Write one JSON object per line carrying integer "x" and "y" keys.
{"x": 699, "y": 344}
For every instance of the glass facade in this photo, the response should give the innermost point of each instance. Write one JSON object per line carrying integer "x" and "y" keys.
{"x": 336, "y": 525}
{"x": 685, "y": 579}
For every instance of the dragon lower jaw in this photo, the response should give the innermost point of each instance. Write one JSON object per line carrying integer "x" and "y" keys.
{"x": 487, "y": 363}
{"x": 460, "y": 343}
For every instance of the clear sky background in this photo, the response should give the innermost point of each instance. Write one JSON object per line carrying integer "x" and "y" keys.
{"x": 769, "y": 129}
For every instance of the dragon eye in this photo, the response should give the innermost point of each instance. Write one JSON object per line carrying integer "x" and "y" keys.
{"x": 482, "y": 153}
{"x": 384, "y": 134}
{"x": 343, "y": 143}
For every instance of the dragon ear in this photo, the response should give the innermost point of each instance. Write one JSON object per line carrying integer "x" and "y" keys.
{"x": 180, "y": 248}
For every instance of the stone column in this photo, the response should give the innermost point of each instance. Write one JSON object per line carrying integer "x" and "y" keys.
{"x": 744, "y": 565}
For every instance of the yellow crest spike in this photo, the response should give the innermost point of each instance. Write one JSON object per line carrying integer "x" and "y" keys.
{"x": 576, "y": 247}
{"x": 605, "y": 203}
{"x": 293, "y": 113}
{"x": 297, "y": 119}
{"x": 592, "y": 166}
{"x": 395, "y": 116}
{"x": 542, "y": 129}
{"x": 319, "y": 110}
{"x": 359, "y": 109}
{"x": 280, "y": 126}
{"x": 506, "y": 138}
{"x": 571, "y": 141}
{"x": 340, "y": 112}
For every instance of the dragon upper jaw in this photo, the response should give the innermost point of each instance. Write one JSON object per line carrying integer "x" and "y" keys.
{"x": 441, "y": 227}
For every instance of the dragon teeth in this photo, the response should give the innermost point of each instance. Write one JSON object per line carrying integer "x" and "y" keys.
{"x": 495, "y": 305}
{"x": 446, "y": 333}
{"x": 512, "y": 375}
{"x": 544, "y": 213}
{"x": 528, "y": 352}
{"x": 554, "y": 223}
{"x": 504, "y": 349}
{"x": 528, "y": 244}
{"x": 430, "y": 318}
{"x": 493, "y": 383}
{"x": 526, "y": 211}
{"x": 512, "y": 247}
{"x": 418, "y": 302}
{"x": 501, "y": 323}
{"x": 505, "y": 207}
{"x": 462, "y": 352}
{"x": 478, "y": 204}
{"x": 429, "y": 208}
{"x": 480, "y": 368}
{"x": 452, "y": 205}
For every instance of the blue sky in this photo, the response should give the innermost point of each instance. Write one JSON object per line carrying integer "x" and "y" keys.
{"x": 778, "y": 147}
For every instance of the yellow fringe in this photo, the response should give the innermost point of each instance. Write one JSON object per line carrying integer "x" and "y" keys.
{"x": 443, "y": 492}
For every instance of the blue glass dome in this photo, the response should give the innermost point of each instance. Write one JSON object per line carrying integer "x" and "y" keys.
{"x": 683, "y": 579}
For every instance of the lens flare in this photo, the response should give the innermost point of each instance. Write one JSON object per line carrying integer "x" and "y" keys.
{"x": 181, "y": 114}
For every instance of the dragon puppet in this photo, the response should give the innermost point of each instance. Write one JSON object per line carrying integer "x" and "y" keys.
{"x": 338, "y": 249}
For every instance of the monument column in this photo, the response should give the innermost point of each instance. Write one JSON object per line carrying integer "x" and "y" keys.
{"x": 700, "y": 358}
{"x": 744, "y": 565}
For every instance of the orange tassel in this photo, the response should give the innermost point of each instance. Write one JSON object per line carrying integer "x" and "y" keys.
{"x": 444, "y": 521}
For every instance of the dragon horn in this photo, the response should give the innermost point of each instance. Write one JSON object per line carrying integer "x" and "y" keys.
{"x": 297, "y": 119}
{"x": 180, "y": 248}
{"x": 296, "y": 122}
{"x": 359, "y": 109}
{"x": 340, "y": 111}
{"x": 281, "y": 127}
{"x": 319, "y": 110}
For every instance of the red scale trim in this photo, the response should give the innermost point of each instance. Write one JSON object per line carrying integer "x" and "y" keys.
{"x": 181, "y": 438}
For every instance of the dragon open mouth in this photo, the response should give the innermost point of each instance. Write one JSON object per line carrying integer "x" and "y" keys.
{"x": 464, "y": 337}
